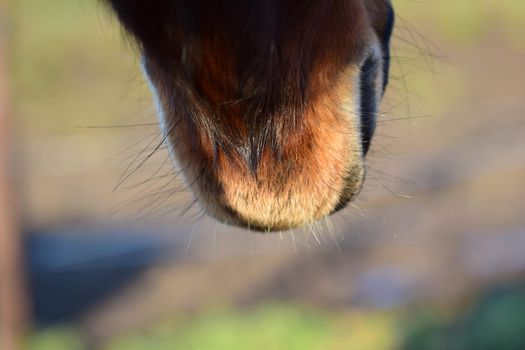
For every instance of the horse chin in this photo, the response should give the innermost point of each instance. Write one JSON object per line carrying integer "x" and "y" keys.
{"x": 319, "y": 169}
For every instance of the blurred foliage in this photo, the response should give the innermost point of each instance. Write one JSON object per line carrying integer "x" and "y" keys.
{"x": 266, "y": 328}
{"x": 269, "y": 326}
{"x": 496, "y": 321}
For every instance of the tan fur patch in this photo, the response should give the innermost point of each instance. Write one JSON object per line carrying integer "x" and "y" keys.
{"x": 303, "y": 185}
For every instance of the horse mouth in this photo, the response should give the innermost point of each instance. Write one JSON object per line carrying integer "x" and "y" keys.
{"x": 268, "y": 212}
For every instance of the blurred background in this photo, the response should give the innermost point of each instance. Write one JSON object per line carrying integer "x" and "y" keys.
{"x": 117, "y": 255}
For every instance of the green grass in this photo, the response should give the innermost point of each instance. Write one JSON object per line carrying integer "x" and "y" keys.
{"x": 60, "y": 338}
{"x": 496, "y": 320}
{"x": 276, "y": 327}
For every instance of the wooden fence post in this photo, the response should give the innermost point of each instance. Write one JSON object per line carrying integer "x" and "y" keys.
{"x": 12, "y": 286}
